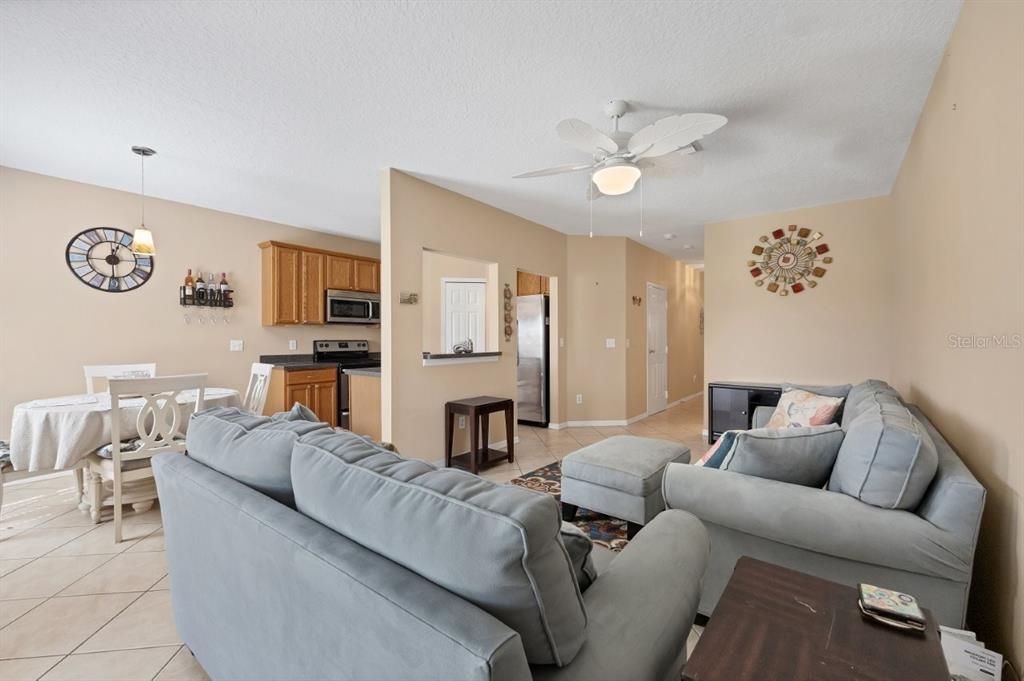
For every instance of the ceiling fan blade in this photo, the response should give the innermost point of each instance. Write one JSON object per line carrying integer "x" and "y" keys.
{"x": 555, "y": 170}
{"x": 585, "y": 137}
{"x": 672, "y": 133}
{"x": 685, "y": 163}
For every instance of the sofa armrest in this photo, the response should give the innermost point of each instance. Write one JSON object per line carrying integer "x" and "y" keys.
{"x": 817, "y": 520}
{"x": 761, "y": 416}
{"x": 642, "y": 607}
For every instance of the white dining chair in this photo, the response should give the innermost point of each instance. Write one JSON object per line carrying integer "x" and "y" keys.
{"x": 160, "y": 426}
{"x": 108, "y": 371}
{"x": 259, "y": 385}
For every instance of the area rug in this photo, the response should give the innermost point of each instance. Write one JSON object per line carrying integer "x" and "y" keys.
{"x": 603, "y": 530}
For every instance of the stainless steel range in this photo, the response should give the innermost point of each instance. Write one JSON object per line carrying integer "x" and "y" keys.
{"x": 345, "y": 354}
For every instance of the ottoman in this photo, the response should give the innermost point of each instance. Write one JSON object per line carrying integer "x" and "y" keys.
{"x": 620, "y": 477}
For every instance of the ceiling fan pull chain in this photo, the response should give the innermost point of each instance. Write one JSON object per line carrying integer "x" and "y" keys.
{"x": 590, "y": 200}
{"x": 641, "y": 206}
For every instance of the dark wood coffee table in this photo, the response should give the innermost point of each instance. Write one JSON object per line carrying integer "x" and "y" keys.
{"x": 776, "y": 623}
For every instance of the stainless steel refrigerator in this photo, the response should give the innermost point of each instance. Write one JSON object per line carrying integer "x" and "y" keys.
{"x": 532, "y": 362}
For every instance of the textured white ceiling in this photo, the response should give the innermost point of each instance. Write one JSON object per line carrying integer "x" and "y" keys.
{"x": 287, "y": 111}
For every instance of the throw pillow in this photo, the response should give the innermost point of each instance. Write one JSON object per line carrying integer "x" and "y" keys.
{"x": 716, "y": 454}
{"x": 580, "y": 550}
{"x": 298, "y": 412}
{"x": 801, "y": 456}
{"x": 801, "y": 409}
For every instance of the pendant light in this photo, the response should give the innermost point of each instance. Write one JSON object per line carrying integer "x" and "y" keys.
{"x": 142, "y": 239}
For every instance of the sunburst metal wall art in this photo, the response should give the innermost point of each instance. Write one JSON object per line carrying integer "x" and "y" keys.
{"x": 790, "y": 260}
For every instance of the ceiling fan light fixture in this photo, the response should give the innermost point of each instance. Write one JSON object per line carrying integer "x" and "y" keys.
{"x": 616, "y": 178}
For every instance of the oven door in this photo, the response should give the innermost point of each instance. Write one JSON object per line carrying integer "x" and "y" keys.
{"x": 343, "y": 310}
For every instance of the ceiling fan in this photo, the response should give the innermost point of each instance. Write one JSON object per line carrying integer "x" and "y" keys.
{"x": 620, "y": 157}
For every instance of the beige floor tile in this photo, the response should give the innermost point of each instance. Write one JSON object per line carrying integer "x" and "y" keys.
{"x": 560, "y": 451}
{"x": 611, "y": 431}
{"x": 125, "y": 572}
{"x": 586, "y": 436}
{"x": 183, "y": 667}
{"x": 529, "y": 464}
{"x": 145, "y": 623}
{"x": 59, "y": 625}
{"x": 163, "y": 585}
{"x": 151, "y": 542}
{"x": 117, "y": 665}
{"x": 12, "y": 610}
{"x": 73, "y": 518}
{"x": 101, "y": 540}
{"x": 46, "y": 576}
{"x": 36, "y": 542}
{"x": 150, "y": 517}
{"x": 12, "y": 564}
{"x": 26, "y": 669}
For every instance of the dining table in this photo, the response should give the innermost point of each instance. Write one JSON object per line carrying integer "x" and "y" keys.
{"x": 57, "y": 433}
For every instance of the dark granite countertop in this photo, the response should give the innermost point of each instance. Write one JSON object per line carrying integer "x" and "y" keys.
{"x": 368, "y": 371}
{"x": 304, "y": 362}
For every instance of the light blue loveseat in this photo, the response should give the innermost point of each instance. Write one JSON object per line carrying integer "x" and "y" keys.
{"x": 927, "y": 550}
{"x": 336, "y": 559}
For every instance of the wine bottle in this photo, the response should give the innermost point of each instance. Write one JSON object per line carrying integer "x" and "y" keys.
{"x": 200, "y": 284}
{"x": 189, "y": 284}
{"x": 224, "y": 282}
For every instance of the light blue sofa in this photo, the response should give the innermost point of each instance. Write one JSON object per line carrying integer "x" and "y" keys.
{"x": 388, "y": 568}
{"x": 927, "y": 550}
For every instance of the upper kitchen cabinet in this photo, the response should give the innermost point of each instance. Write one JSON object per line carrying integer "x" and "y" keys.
{"x": 367, "y": 276}
{"x": 295, "y": 280}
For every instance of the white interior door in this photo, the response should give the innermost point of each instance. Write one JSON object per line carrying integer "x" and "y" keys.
{"x": 465, "y": 310}
{"x": 657, "y": 349}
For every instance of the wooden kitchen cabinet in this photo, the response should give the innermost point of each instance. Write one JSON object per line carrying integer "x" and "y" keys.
{"x": 314, "y": 388}
{"x": 295, "y": 280}
{"x": 528, "y": 284}
{"x": 367, "y": 277}
{"x": 312, "y": 288}
{"x": 339, "y": 272}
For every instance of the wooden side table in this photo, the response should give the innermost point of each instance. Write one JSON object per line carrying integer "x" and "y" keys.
{"x": 478, "y": 411}
{"x": 777, "y": 623}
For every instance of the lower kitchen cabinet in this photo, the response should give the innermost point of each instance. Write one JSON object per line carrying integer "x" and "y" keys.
{"x": 317, "y": 389}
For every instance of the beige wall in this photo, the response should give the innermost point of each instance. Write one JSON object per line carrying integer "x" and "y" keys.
{"x": 595, "y": 311}
{"x": 53, "y": 324}
{"x": 437, "y": 267}
{"x": 835, "y": 333}
{"x": 416, "y": 215}
{"x": 684, "y": 288}
{"x": 959, "y": 270}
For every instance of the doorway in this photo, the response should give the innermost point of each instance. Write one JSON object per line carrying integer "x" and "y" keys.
{"x": 657, "y": 349}
{"x": 465, "y": 312}
{"x": 533, "y": 365}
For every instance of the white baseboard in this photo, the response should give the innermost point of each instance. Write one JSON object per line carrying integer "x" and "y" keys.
{"x": 557, "y": 426}
{"x": 608, "y": 423}
{"x": 620, "y": 422}
{"x": 704, "y": 433}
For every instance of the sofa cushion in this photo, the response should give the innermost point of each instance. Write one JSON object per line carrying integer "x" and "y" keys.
{"x": 625, "y": 462}
{"x": 255, "y": 450}
{"x": 298, "y": 412}
{"x": 581, "y": 554}
{"x": 800, "y": 409}
{"x": 887, "y": 458}
{"x": 864, "y": 395}
{"x": 826, "y": 390}
{"x": 496, "y": 546}
{"x": 802, "y": 456}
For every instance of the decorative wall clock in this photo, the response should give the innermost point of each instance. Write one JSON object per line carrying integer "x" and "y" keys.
{"x": 102, "y": 258}
{"x": 790, "y": 260}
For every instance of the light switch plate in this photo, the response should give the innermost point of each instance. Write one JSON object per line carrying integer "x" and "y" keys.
{"x": 627, "y": 344}
{"x": 579, "y": 398}
{"x": 236, "y": 345}
{"x": 293, "y": 345}
{"x": 561, "y": 342}
{"x": 462, "y": 422}
{"x": 609, "y": 343}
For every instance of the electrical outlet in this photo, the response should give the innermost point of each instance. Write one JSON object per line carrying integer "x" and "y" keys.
{"x": 695, "y": 378}
{"x": 236, "y": 345}
{"x": 609, "y": 343}
{"x": 293, "y": 345}
{"x": 561, "y": 342}
{"x": 462, "y": 423}
{"x": 627, "y": 344}
{"x": 579, "y": 398}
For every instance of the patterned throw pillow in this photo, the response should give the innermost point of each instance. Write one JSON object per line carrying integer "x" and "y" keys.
{"x": 801, "y": 409}
{"x": 714, "y": 457}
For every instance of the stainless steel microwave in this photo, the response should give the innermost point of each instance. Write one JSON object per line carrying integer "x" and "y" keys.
{"x": 352, "y": 307}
